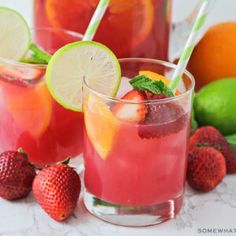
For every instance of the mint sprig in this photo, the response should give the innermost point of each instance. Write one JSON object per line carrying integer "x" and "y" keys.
{"x": 143, "y": 83}
{"x": 37, "y": 55}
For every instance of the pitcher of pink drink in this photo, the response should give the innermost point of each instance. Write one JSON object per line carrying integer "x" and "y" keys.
{"x": 134, "y": 28}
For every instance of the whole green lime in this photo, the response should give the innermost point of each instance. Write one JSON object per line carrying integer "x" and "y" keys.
{"x": 215, "y": 104}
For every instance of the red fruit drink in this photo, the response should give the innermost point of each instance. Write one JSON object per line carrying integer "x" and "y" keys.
{"x": 30, "y": 117}
{"x": 137, "y": 28}
{"x": 139, "y": 171}
{"x": 136, "y": 167}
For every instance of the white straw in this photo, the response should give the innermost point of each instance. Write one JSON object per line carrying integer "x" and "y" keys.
{"x": 96, "y": 20}
{"x": 183, "y": 61}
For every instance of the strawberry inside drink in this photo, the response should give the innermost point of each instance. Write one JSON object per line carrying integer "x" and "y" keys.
{"x": 144, "y": 163}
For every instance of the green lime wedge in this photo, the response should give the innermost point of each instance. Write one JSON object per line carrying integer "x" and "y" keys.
{"x": 14, "y": 34}
{"x": 232, "y": 140}
{"x": 73, "y": 63}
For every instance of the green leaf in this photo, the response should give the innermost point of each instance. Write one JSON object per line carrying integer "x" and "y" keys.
{"x": 33, "y": 60}
{"x": 39, "y": 53}
{"x": 143, "y": 83}
{"x": 232, "y": 140}
{"x": 38, "y": 56}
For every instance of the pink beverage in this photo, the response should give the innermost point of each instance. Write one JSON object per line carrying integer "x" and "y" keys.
{"x": 30, "y": 117}
{"x": 135, "y": 171}
{"x": 134, "y": 28}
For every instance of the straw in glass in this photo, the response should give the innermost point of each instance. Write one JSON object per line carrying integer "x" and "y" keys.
{"x": 96, "y": 20}
{"x": 190, "y": 44}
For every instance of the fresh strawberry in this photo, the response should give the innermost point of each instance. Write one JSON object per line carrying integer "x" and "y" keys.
{"x": 209, "y": 136}
{"x": 132, "y": 112}
{"x": 16, "y": 175}
{"x": 21, "y": 75}
{"x": 162, "y": 119}
{"x": 57, "y": 189}
{"x": 206, "y": 168}
{"x": 151, "y": 96}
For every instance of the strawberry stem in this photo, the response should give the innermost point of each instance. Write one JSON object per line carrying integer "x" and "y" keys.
{"x": 21, "y": 151}
{"x": 66, "y": 161}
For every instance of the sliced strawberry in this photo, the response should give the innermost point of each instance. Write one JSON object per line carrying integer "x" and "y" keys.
{"x": 132, "y": 112}
{"x": 151, "y": 96}
{"x": 20, "y": 75}
{"x": 162, "y": 119}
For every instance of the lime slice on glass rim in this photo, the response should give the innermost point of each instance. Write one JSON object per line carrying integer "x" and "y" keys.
{"x": 14, "y": 34}
{"x": 73, "y": 63}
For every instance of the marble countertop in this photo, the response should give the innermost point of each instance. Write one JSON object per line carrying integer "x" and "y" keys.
{"x": 202, "y": 214}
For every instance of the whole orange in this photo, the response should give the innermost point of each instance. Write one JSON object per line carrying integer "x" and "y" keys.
{"x": 214, "y": 57}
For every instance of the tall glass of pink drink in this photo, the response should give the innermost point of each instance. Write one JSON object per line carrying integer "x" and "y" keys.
{"x": 135, "y": 172}
{"x": 30, "y": 118}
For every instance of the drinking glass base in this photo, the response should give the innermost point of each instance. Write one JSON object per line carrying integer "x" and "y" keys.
{"x": 132, "y": 215}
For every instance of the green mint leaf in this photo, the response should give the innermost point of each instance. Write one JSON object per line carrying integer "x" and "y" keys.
{"x": 37, "y": 56}
{"x": 33, "y": 60}
{"x": 143, "y": 83}
{"x": 139, "y": 78}
{"x": 39, "y": 53}
{"x": 163, "y": 88}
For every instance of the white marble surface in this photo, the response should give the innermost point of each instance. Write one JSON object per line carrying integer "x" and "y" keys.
{"x": 214, "y": 210}
{"x": 200, "y": 213}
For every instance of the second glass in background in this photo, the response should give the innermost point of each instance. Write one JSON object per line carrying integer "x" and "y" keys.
{"x": 30, "y": 117}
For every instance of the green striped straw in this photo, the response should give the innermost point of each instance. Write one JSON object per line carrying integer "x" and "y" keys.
{"x": 188, "y": 49}
{"x": 96, "y": 20}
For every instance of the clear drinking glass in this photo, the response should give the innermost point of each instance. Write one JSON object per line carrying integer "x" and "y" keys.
{"x": 30, "y": 117}
{"x": 135, "y": 172}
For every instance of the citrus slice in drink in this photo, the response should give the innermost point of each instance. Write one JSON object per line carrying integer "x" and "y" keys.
{"x": 30, "y": 107}
{"x": 82, "y": 61}
{"x": 122, "y": 19}
{"x": 14, "y": 34}
{"x": 101, "y": 125}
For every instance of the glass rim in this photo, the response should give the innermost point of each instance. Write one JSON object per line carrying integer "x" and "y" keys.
{"x": 39, "y": 66}
{"x": 146, "y": 60}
